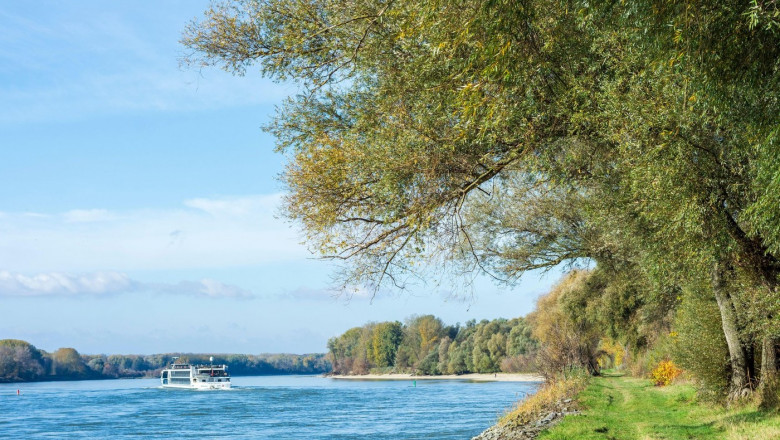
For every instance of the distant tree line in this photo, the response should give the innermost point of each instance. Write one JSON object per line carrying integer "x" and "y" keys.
{"x": 425, "y": 345}
{"x": 21, "y": 361}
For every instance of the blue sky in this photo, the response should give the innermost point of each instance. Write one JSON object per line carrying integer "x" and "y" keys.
{"x": 138, "y": 201}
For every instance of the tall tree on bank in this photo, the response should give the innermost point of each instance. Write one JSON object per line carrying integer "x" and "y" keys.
{"x": 656, "y": 120}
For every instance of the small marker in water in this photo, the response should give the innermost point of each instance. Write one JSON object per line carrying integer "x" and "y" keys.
{"x": 18, "y": 393}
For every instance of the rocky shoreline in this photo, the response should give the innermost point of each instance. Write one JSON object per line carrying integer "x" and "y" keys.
{"x": 503, "y": 431}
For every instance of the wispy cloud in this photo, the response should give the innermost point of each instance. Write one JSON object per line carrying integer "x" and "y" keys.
{"x": 330, "y": 294}
{"x": 56, "y": 283}
{"x": 235, "y": 206}
{"x": 205, "y": 288}
{"x": 202, "y": 233}
{"x": 106, "y": 284}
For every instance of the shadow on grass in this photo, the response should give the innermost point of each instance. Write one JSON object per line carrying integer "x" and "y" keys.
{"x": 612, "y": 373}
{"x": 752, "y": 417}
{"x": 689, "y": 430}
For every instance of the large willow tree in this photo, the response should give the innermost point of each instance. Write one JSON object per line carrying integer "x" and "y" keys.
{"x": 512, "y": 135}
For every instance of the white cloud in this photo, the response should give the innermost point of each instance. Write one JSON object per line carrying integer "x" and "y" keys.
{"x": 203, "y": 233}
{"x": 108, "y": 283}
{"x": 215, "y": 289}
{"x": 56, "y": 283}
{"x": 236, "y": 207}
{"x": 332, "y": 294}
{"x": 205, "y": 288}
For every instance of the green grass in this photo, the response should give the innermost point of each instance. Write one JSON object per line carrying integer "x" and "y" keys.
{"x": 621, "y": 408}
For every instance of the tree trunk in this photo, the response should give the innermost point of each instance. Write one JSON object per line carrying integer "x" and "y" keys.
{"x": 768, "y": 386}
{"x": 739, "y": 386}
{"x": 768, "y": 357}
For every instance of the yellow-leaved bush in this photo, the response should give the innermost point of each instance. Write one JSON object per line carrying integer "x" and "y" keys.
{"x": 665, "y": 373}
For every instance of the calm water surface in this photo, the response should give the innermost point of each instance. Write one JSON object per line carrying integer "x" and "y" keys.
{"x": 267, "y": 407}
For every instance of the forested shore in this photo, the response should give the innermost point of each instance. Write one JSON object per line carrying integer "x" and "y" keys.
{"x": 425, "y": 345}
{"x": 21, "y": 361}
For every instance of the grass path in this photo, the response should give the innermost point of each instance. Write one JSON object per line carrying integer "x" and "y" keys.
{"x": 620, "y": 408}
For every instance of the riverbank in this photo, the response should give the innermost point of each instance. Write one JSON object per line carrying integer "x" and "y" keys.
{"x": 624, "y": 408}
{"x": 474, "y": 377}
{"x": 630, "y": 408}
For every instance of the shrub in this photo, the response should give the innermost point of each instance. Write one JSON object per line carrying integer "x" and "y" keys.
{"x": 699, "y": 346}
{"x": 665, "y": 373}
{"x": 568, "y": 338}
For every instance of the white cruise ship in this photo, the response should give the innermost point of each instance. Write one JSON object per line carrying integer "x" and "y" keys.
{"x": 196, "y": 377}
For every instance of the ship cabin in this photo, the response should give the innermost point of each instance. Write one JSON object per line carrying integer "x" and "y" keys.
{"x": 208, "y": 376}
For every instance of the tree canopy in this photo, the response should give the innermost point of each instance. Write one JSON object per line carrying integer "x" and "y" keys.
{"x": 410, "y": 112}
{"x": 508, "y": 135}
{"x": 424, "y": 345}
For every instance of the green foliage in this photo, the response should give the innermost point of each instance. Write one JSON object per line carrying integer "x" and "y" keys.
{"x": 520, "y": 341}
{"x": 424, "y": 345}
{"x": 698, "y": 345}
{"x": 429, "y": 365}
{"x": 568, "y": 334}
{"x": 22, "y": 362}
{"x": 384, "y": 343}
{"x": 349, "y": 352}
{"x": 66, "y": 362}
{"x": 591, "y": 119}
{"x": 410, "y": 107}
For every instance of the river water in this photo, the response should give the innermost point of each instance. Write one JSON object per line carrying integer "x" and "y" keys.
{"x": 261, "y": 407}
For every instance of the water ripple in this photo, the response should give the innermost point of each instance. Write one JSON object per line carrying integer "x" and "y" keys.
{"x": 270, "y": 407}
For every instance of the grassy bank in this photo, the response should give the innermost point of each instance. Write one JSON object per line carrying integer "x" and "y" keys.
{"x": 624, "y": 408}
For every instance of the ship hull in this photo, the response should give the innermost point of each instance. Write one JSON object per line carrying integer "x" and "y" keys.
{"x": 196, "y": 377}
{"x": 200, "y": 386}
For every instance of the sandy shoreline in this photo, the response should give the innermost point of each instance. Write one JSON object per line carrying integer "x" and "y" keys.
{"x": 475, "y": 377}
